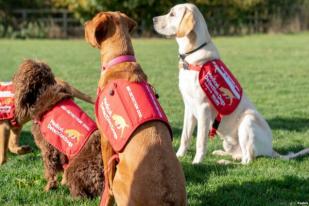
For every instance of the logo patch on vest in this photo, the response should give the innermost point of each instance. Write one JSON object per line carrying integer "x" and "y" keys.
{"x": 67, "y": 127}
{"x": 123, "y": 106}
{"x": 120, "y": 123}
{"x": 221, "y": 87}
{"x": 7, "y": 106}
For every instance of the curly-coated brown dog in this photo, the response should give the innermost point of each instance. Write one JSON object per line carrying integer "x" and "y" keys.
{"x": 148, "y": 172}
{"x": 36, "y": 94}
{"x": 11, "y": 127}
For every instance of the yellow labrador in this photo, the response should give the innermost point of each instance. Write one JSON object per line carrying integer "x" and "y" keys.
{"x": 245, "y": 132}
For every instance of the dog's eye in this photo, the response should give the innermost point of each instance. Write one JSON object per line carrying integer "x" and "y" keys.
{"x": 172, "y": 14}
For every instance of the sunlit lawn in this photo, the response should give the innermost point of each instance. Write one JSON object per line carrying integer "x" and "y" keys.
{"x": 274, "y": 72}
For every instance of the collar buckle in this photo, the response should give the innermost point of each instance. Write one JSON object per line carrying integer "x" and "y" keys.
{"x": 183, "y": 56}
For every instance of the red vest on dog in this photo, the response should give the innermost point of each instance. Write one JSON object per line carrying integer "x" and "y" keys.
{"x": 221, "y": 87}
{"x": 7, "y": 106}
{"x": 123, "y": 106}
{"x": 67, "y": 127}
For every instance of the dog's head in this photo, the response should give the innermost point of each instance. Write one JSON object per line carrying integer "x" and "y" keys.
{"x": 187, "y": 24}
{"x": 31, "y": 79}
{"x": 108, "y": 25}
{"x": 180, "y": 21}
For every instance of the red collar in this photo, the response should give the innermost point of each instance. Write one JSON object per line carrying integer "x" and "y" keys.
{"x": 193, "y": 67}
{"x": 118, "y": 60}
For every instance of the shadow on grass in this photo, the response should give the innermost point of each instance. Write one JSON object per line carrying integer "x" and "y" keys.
{"x": 177, "y": 132}
{"x": 290, "y": 148}
{"x": 26, "y": 138}
{"x": 200, "y": 173}
{"x": 286, "y": 191}
{"x": 297, "y": 124}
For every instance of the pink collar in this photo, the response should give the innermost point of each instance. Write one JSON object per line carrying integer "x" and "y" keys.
{"x": 118, "y": 60}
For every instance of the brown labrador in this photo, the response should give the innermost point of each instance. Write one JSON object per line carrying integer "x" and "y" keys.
{"x": 148, "y": 172}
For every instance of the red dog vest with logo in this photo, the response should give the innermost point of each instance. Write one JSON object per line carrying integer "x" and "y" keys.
{"x": 220, "y": 86}
{"x": 7, "y": 105}
{"x": 67, "y": 127}
{"x": 122, "y": 107}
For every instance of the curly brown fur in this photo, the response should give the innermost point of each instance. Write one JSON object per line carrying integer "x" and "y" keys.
{"x": 35, "y": 96}
{"x": 47, "y": 100}
{"x": 30, "y": 80}
{"x": 84, "y": 176}
{"x": 9, "y": 135}
{"x": 53, "y": 159}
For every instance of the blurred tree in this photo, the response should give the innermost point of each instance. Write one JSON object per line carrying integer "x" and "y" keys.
{"x": 82, "y": 9}
{"x": 140, "y": 10}
{"x": 224, "y": 17}
{"x": 231, "y": 15}
{"x": 8, "y": 5}
{"x": 7, "y": 22}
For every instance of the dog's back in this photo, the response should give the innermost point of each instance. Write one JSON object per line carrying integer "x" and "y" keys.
{"x": 152, "y": 172}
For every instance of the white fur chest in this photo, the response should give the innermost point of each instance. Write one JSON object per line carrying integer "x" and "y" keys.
{"x": 192, "y": 93}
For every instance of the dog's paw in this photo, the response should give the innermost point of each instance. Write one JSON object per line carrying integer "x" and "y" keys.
{"x": 181, "y": 152}
{"x": 63, "y": 180}
{"x": 219, "y": 153}
{"x": 50, "y": 186}
{"x": 198, "y": 159}
{"x": 224, "y": 162}
{"x": 2, "y": 161}
{"x": 24, "y": 149}
{"x": 20, "y": 150}
{"x": 246, "y": 161}
{"x": 236, "y": 157}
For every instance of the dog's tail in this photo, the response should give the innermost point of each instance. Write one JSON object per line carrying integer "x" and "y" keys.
{"x": 291, "y": 155}
{"x": 75, "y": 92}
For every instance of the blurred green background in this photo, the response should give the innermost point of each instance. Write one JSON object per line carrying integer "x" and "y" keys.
{"x": 64, "y": 18}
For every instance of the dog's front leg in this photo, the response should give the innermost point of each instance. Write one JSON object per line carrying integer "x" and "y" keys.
{"x": 50, "y": 169}
{"x": 50, "y": 157}
{"x": 14, "y": 146}
{"x": 203, "y": 123}
{"x": 189, "y": 123}
{"x": 109, "y": 171}
{"x": 4, "y": 139}
{"x": 64, "y": 178}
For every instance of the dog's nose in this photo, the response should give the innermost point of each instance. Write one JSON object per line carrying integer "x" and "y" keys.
{"x": 155, "y": 19}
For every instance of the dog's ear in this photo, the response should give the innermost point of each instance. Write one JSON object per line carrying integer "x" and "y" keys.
{"x": 187, "y": 24}
{"x": 130, "y": 22}
{"x": 29, "y": 81}
{"x": 96, "y": 29}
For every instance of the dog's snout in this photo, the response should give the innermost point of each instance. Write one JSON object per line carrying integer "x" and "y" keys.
{"x": 155, "y": 19}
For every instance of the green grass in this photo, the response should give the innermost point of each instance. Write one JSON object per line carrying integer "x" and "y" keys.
{"x": 274, "y": 72}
